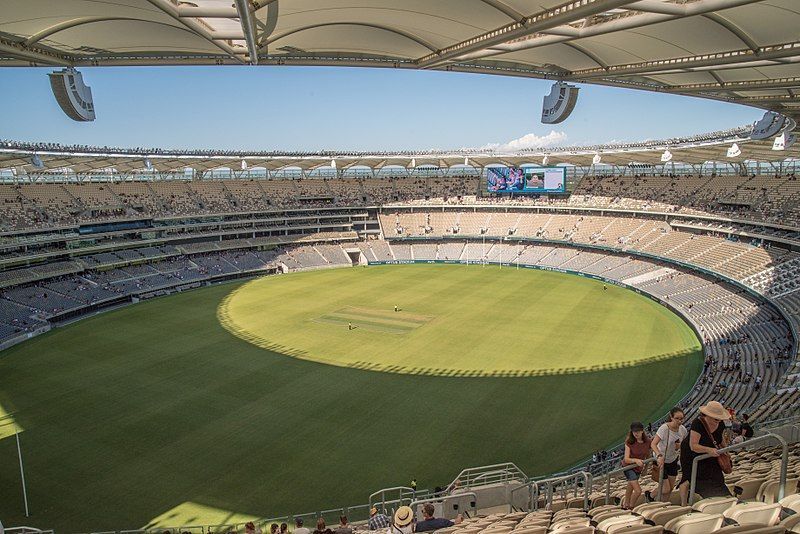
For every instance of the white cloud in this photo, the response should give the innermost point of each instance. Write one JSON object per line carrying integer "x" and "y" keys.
{"x": 530, "y": 140}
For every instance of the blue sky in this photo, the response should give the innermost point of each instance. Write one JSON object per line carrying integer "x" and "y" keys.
{"x": 297, "y": 108}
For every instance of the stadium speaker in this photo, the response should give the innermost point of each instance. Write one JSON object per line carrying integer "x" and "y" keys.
{"x": 74, "y": 96}
{"x": 596, "y": 159}
{"x": 734, "y": 151}
{"x": 770, "y": 124}
{"x": 244, "y": 165}
{"x": 666, "y": 156}
{"x": 148, "y": 164}
{"x": 544, "y": 161}
{"x": 558, "y": 105}
{"x": 784, "y": 141}
{"x": 413, "y": 163}
{"x": 333, "y": 164}
{"x": 466, "y": 161}
{"x": 37, "y": 162}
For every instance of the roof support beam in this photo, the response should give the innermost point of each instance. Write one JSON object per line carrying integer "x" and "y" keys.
{"x": 544, "y": 20}
{"x": 36, "y": 57}
{"x": 195, "y": 26}
{"x": 650, "y": 12}
{"x": 734, "y": 29}
{"x": 717, "y": 61}
{"x": 750, "y": 85}
{"x": 248, "y": 28}
{"x": 72, "y": 23}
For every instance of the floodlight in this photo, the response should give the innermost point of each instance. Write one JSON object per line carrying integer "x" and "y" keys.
{"x": 666, "y": 156}
{"x": 734, "y": 151}
{"x": 596, "y": 159}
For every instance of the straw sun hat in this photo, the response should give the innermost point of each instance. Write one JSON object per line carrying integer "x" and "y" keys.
{"x": 403, "y": 516}
{"x": 716, "y": 410}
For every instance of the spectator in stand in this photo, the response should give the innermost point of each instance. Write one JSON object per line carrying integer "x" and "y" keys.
{"x": 706, "y": 429}
{"x": 637, "y": 449}
{"x": 284, "y": 528}
{"x": 322, "y": 528}
{"x": 299, "y": 528}
{"x": 250, "y": 528}
{"x": 344, "y": 527}
{"x": 432, "y": 523}
{"x": 376, "y": 520}
{"x": 666, "y": 445}
{"x": 746, "y": 430}
{"x": 274, "y": 528}
{"x": 403, "y": 521}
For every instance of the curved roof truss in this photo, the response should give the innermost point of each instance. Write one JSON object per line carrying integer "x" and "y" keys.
{"x": 742, "y": 51}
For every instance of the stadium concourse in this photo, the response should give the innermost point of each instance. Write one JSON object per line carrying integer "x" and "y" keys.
{"x": 720, "y": 249}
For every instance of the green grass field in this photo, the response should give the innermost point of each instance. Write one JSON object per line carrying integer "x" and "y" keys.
{"x": 158, "y": 414}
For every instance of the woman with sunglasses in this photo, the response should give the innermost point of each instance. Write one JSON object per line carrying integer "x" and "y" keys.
{"x": 666, "y": 445}
{"x": 705, "y": 437}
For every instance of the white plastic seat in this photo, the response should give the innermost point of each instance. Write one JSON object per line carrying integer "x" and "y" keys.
{"x": 791, "y": 523}
{"x": 792, "y": 502}
{"x": 714, "y": 505}
{"x": 768, "y": 492}
{"x": 629, "y": 519}
{"x": 695, "y": 523}
{"x": 662, "y": 516}
{"x": 641, "y": 529}
{"x": 754, "y": 513}
{"x": 749, "y": 529}
{"x": 642, "y": 508}
{"x": 582, "y": 521}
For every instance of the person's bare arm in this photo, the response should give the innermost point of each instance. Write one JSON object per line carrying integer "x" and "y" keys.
{"x": 694, "y": 444}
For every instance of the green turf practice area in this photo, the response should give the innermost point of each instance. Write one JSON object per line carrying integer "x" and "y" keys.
{"x": 303, "y": 392}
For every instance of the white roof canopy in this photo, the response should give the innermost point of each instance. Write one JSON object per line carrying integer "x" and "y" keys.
{"x": 745, "y": 51}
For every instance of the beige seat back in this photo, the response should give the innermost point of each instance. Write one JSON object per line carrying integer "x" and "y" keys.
{"x": 768, "y": 492}
{"x": 792, "y": 502}
{"x": 714, "y": 505}
{"x": 695, "y": 523}
{"x": 749, "y": 529}
{"x": 749, "y": 487}
{"x": 642, "y": 529}
{"x": 754, "y": 513}
{"x": 613, "y": 523}
{"x": 649, "y": 506}
{"x": 665, "y": 515}
{"x": 560, "y": 525}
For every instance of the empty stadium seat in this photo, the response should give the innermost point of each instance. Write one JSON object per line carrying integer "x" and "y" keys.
{"x": 695, "y": 523}
{"x": 612, "y": 524}
{"x": 754, "y": 513}
{"x": 714, "y": 505}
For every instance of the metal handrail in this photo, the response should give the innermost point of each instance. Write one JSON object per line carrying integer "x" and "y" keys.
{"x": 465, "y": 477}
{"x": 533, "y": 487}
{"x": 744, "y": 445}
{"x": 382, "y": 493}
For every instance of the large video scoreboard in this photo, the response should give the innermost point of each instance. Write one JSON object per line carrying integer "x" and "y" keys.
{"x": 527, "y": 180}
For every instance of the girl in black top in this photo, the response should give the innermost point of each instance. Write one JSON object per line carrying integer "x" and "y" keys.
{"x": 705, "y": 430}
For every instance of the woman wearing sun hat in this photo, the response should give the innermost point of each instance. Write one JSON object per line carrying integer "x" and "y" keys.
{"x": 705, "y": 437}
{"x": 403, "y": 522}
